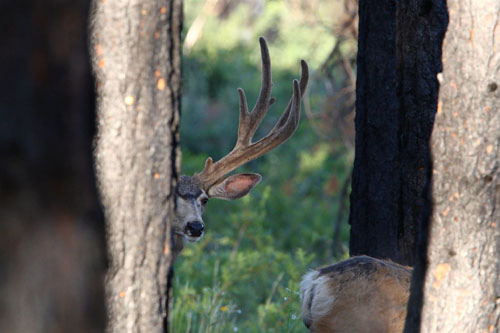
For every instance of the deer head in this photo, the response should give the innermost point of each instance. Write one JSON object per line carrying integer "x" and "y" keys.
{"x": 194, "y": 191}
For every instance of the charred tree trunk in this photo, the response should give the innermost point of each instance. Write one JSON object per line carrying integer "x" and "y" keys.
{"x": 462, "y": 282}
{"x": 137, "y": 60}
{"x": 51, "y": 229}
{"x": 374, "y": 213}
{"x": 399, "y": 56}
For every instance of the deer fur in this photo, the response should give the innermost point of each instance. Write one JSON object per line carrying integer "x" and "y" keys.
{"x": 357, "y": 295}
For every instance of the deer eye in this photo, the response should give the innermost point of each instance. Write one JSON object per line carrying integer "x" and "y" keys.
{"x": 204, "y": 201}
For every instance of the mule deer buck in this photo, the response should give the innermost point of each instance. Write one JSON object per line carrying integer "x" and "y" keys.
{"x": 358, "y": 295}
{"x": 193, "y": 192}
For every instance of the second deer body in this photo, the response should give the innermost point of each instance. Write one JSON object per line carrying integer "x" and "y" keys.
{"x": 357, "y": 295}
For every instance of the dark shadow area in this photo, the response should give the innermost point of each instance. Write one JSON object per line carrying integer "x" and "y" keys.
{"x": 52, "y": 252}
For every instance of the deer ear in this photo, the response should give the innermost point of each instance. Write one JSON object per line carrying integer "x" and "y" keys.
{"x": 235, "y": 186}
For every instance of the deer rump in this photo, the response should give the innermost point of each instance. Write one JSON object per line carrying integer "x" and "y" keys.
{"x": 360, "y": 294}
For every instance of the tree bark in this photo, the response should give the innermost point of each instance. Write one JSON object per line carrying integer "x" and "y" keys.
{"x": 373, "y": 210}
{"x": 396, "y": 96}
{"x": 462, "y": 282}
{"x": 136, "y": 49}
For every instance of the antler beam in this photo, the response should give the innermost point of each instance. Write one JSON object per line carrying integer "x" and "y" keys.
{"x": 244, "y": 150}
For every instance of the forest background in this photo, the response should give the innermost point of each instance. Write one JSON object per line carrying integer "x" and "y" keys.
{"x": 244, "y": 274}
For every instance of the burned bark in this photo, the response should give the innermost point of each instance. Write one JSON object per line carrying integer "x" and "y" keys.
{"x": 399, "y": 56}
{"x": 375, "y": 182}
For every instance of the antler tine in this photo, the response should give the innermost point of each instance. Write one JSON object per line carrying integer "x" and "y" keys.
{"x": 249, "y": 122}
{"x": 304, "y": 78}
{"x": 244, "y": 150}
{"x": 282, "y": 132}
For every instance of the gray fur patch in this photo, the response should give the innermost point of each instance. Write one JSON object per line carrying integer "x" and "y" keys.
{"x": 188, "y": 187}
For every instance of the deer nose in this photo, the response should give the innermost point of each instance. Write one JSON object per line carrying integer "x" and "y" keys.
{"x": 195, "y": 228}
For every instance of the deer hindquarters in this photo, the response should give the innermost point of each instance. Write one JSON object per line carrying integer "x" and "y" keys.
{"x": 360, "y": 294}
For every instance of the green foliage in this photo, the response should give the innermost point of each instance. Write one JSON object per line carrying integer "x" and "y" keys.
{"x": 238, "y": 278}
{"x": 244, "y": 274}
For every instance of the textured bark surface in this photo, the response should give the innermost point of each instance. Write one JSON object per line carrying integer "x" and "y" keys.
{"x": 136, "y": 57}
{"x": 52, "y": 257}
{"x": 462, "y": 284}
{"x": 375, "y": 182}
{"x": 399, "y": 56}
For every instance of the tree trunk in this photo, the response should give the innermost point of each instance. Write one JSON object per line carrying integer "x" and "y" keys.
{"x": 396, "y": 96}
{"x": 136, "y": 49}
{"x": 52, "y": 257}
{"x": 375, "y": 182}
{"x": 462, "y": 282}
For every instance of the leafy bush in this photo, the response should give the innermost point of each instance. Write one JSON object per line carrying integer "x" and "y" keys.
{"x": 237, "y": 279}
